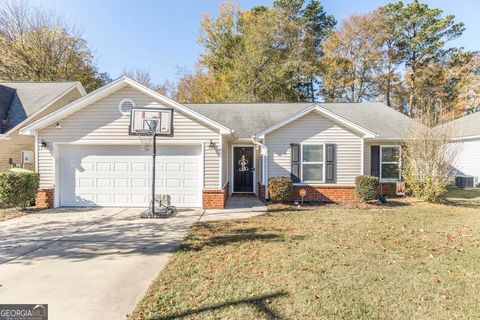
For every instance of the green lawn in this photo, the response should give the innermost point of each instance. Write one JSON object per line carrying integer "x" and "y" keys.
{"x": 410, "y": 260}
{"x": 464, "y": 194}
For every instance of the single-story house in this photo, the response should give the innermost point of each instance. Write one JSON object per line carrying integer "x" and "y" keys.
{"x": 466, "y": 135}
{"x": 87, "y": 157}
{"x": 22, "y": 103}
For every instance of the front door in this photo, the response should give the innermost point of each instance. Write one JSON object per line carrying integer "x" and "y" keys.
{"x": 243, "y": 169}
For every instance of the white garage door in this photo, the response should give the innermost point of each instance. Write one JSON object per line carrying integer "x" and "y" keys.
{"x": 121, "y": 175}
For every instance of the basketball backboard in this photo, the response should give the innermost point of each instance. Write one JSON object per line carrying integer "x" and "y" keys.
{"x": 160, "y": 120}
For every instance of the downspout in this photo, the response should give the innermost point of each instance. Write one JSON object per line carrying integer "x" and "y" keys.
{"x": 264, "y": 153}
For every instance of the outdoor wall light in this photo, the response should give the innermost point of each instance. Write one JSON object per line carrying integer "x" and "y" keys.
{"x": 43, "y": 143}
{"x": 212, "y": 145}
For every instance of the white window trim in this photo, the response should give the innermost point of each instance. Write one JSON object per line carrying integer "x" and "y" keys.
{"x": 302, "y": 162}
{"x": 122, "y": 102}
{"x": 399, "y": 162}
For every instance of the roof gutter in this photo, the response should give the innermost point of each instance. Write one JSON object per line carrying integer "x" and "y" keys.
{"x": 264, "y": 153}
{"x": 466, "y": 138}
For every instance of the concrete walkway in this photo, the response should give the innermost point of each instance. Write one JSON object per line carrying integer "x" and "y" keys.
{"x": 236, "y": 208}
{"x": 94, "y": 263}
{"x": 86, "y": 263}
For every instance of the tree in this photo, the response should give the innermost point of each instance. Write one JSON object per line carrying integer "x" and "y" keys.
{"x": 352, "y": 60}
{"x": 318, "y": 26}
{"x": 262, "y": 54}
{"x": 390, "y": 84}
{"x": 449, "y": 86}
{"x": 36, "y": 46}
{"x": 192, "y": 86}
{"x": 141, "y": 76}
{"x": 314, "y": 26}
{"x": 167, "y": 88}
{"x": 427, "y": 157}
{"x": 270, "y": 64}
{"x": 421, "y": 34}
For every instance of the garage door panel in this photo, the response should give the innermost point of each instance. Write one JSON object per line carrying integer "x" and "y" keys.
{"x": 121, "y": 175}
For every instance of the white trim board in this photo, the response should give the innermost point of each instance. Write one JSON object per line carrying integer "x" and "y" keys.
{"x": 328, "y": 114}
{"x": 107, "y": 90}
{"x": 399, "y": 162}
{"x": 323, "y": 144}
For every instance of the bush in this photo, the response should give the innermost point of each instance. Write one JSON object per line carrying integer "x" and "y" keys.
{"x": 366, "y": 188}
{"x": 280, "y": 189}
{"x": 431, "y": 187}
{"x": 18, "y": 188}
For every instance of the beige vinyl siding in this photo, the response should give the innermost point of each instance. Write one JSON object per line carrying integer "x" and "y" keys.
{"x": 102, "y": 121}
{"x": 71, "y": 96}
{"x": 368, "y": 154}
{"x": 12, "y": 148}
{"x": 315, "y": 128}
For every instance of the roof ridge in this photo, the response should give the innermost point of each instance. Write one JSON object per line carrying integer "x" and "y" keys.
{"x": 286, "y": 103}
{"x": 39, "y": 82}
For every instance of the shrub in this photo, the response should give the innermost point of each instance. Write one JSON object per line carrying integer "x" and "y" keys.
{"x": 18, "y": 188}
{"x": 280, "y": 189}
{"x": 366, "y": 188}
{"x": 428, "y": 156}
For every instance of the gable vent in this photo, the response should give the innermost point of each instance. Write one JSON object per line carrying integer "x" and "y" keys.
{"x": 125, "y": 106}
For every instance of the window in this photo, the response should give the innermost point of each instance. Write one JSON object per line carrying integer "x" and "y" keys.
{"x": 390, "y": 162}
{"x": 312, "y": 162}
{"x": 125, "y": 106}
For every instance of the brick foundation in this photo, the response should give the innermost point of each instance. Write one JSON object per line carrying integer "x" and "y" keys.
{"x": 261, "y": 192}
{"x": 388, "y": 188}
{"x": 45, "y": 198}
{"x": 325, "y": 193}
{"x": 215, "y": 199}
{"x": 226, "y": 191}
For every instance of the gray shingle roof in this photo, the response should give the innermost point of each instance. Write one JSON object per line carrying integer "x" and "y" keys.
{"x": 465, "y": 126}
{"x": 248, "y": 119}
{"x": 19, "y": 100}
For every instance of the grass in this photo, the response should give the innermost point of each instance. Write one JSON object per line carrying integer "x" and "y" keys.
{"x": 463, "y": 194}
{"x": 410, "y": 260}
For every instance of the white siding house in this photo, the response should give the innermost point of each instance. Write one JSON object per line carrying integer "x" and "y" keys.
{"x": 466, "y": 133}
{"x": 88, "y": 157}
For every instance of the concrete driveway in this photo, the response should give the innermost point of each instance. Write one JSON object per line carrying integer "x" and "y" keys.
{"x": 86, "y": 263}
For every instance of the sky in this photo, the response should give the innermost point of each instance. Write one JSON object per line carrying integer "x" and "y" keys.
{"x": 160, "y": 36}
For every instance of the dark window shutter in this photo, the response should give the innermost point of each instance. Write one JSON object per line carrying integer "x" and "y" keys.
{"x": 295, "y": 163}
{"x": 331, "y": 163}
{"x": 375, "y": 161}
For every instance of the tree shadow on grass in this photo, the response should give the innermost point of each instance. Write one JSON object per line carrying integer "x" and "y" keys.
{"x": 470, "y": 204}
{"x": 230, "y": 237}
{"x": 259, "y": 302}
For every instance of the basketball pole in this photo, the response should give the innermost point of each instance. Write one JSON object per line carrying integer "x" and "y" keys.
{"x": 154, "y": 155}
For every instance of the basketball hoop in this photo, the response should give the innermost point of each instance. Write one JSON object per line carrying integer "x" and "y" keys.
{"x": 146, "y": 135}
{"x": 146, "y": 138}
{"x": 147, "y": 124}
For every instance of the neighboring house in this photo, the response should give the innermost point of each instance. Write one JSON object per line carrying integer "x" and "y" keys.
{"x": 87, "y": 157}
{"x": 22, "y": 103}
{"x": 466, "y": 133}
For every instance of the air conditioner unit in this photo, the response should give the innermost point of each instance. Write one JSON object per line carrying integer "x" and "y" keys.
{"x": 464, "y": 182}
